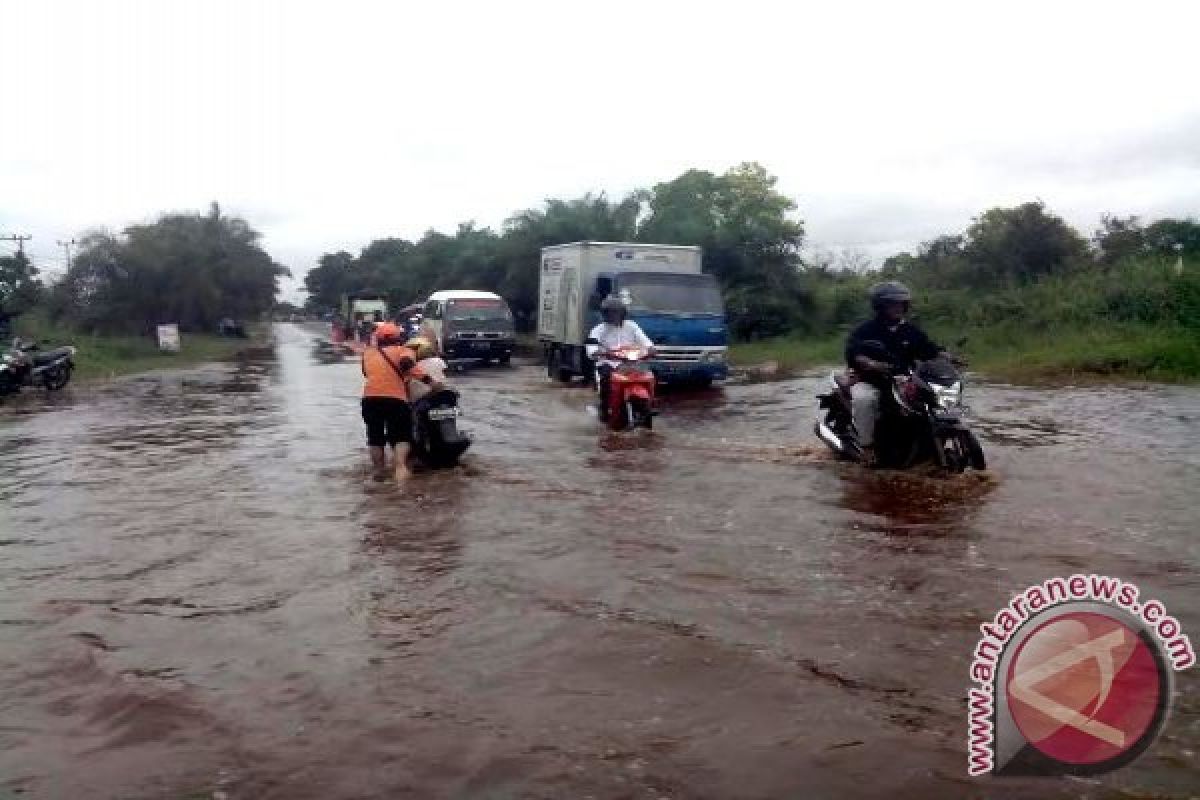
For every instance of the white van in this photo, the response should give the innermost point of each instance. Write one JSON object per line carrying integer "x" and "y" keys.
{"x": 466, "y": 324}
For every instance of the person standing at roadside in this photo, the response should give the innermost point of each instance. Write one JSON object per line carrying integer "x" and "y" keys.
{"x": 386, "y": 412}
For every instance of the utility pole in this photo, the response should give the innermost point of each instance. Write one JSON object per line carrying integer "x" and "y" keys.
{"x": 19, "y": 239}
{"x": 66, "y": 246}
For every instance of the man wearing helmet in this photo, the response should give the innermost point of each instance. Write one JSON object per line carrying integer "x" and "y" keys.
{"x": 877, "y": 347}
{"x": 615, "y": 332}
{"x": 428, "y": 362}
{"x": 387, "y": 368}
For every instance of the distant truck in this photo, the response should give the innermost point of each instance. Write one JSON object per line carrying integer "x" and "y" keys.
{"x": 675, "y": 303}
{"x": 360, "y": 310}
{"x": 358, "y": 306}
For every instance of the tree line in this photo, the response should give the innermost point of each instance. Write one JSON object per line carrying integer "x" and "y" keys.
{"x": 752, "y": 242}
{"x": 188, "y": 268}
{"x": 196, "y": 268}
{"x": 748, "y": 230}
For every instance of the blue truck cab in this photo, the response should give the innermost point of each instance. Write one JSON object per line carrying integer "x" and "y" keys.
{"x": 683, "y": 315}
{"x": 668, "y": 295}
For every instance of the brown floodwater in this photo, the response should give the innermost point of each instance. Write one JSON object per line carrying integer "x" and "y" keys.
{"x": 203, "y": 593}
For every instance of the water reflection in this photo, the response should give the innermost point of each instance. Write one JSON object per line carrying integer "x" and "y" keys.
{"x": 411, "y": 544}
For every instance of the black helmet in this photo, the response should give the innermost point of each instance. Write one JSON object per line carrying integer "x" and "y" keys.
{"x": 888, "y": 292}
{"x": 612, "y": 303}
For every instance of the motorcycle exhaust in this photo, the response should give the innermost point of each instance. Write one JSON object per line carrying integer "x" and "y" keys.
{"x": 826, "y": 435}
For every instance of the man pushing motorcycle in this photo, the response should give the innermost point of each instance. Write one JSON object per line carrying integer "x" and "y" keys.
{"x": 615, "y": 332}
{"x": 878, "y": 346}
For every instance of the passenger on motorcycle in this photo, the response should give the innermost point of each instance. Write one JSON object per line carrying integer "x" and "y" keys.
{"x": 612, "y": 334}
{"x": 903, "y": 344}
{"x": 430, "y": 364}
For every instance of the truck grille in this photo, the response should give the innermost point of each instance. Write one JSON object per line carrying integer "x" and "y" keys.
{"x": 479, "y": 335}
{"x": 676, "y": 354}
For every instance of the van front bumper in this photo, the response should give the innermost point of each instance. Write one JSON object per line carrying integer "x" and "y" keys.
{"x": 479, "y": 348}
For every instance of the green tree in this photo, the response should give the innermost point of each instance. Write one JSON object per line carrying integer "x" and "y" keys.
{"x": 329, "y": 280}
{"x": 1119, "y": 238}
{"x": 1016, "y": 245}
{"x": 20, "y": 286}
{"x": 742, "y": 221}
{"x": 751, "y": 242}
{"x": 192, "y": 269}
{"x": 1168, "y": 236}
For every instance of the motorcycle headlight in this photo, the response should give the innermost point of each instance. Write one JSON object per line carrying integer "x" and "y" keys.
{"x": 948, "y": 396}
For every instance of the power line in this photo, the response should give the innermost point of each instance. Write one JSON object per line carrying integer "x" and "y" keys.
{"x": 20, "y": 239}
{"x": 66, "y": 246}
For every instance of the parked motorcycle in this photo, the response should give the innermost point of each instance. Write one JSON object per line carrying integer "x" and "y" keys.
{"x": 25, "y": 365}
{"x": 921, "y": 419}
{"x": 437, "y": 439}
{"x": 630, "y": 401}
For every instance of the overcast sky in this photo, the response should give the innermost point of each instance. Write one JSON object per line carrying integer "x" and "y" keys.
{"x": 329, "y": 124}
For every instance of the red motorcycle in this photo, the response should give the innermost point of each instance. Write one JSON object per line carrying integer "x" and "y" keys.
{"x": 630, "y": 400}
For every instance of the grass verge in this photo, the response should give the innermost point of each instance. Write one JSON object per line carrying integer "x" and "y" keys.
{"x": 102, "y": 357}
{"x": 1104, "y": 351}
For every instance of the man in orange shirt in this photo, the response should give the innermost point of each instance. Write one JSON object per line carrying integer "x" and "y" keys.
{"x": 386, "y": 368}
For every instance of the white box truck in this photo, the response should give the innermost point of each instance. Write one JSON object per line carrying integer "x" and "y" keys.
{"x": 668, "y": 295}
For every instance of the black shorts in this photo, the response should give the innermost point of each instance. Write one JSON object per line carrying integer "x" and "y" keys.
{"x": 388, "y": 419}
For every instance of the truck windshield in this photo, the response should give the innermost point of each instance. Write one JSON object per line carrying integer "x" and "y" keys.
{"x": 679, "y": 294}
{"x": 482, "y": 310}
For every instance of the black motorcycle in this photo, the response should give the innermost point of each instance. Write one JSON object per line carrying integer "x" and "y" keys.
{"x": 920, "y": 420}
{"x": 437, "y": 439}
{"x": 27, "y": 365}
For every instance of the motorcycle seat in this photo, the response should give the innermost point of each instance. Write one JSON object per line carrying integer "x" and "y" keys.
{"x": 46, "y": 356}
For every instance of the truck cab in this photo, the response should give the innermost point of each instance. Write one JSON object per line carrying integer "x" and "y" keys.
{"x": 684, "y": 315}
{"x": 668, "y": 296}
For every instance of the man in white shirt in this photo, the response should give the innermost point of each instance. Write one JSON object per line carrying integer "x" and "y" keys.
{"x": 612, "y": 334}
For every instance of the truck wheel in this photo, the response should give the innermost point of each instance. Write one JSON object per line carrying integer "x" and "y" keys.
{"x": 505, "y": 360}
{"x": 554, "y": 367}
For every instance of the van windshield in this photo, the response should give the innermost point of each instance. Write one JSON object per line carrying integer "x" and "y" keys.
{"x": 679, "y": 294}
{"x": 481, "y": 310}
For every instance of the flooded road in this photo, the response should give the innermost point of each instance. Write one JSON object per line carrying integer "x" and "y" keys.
{"x": 203, "y": 593}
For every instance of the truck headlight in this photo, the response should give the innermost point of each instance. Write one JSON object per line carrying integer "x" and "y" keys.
{"x": 714, "y": 357}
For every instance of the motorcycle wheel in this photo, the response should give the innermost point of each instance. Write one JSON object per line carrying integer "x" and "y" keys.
{"x": 641, "y": 416}
{"x": 972, "y": 450}
{"x": 56, "y": 378}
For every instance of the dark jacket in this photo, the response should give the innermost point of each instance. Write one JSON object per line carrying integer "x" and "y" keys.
{"x": 905, "y": 345}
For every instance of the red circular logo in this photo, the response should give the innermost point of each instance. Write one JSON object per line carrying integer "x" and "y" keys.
{"x": 1085, "y": 688}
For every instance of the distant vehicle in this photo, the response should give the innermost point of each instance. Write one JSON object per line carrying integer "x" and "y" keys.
{"x": 410, "y": 318}
{"x": 366, "y": 305}
{"x": 675, "y": 303}
{"x": 231, "y": 327}
{"x": 26, "y": 365}
{"x": 467, "y": 324}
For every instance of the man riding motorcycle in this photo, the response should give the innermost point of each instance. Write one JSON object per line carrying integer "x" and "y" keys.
{"x": 615, "y": 332}
{"x": 903, "y": 345}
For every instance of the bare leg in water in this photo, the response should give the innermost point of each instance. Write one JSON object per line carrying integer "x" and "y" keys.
{"x": 378, "y": 459}
{"x": 400, "y": 461}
